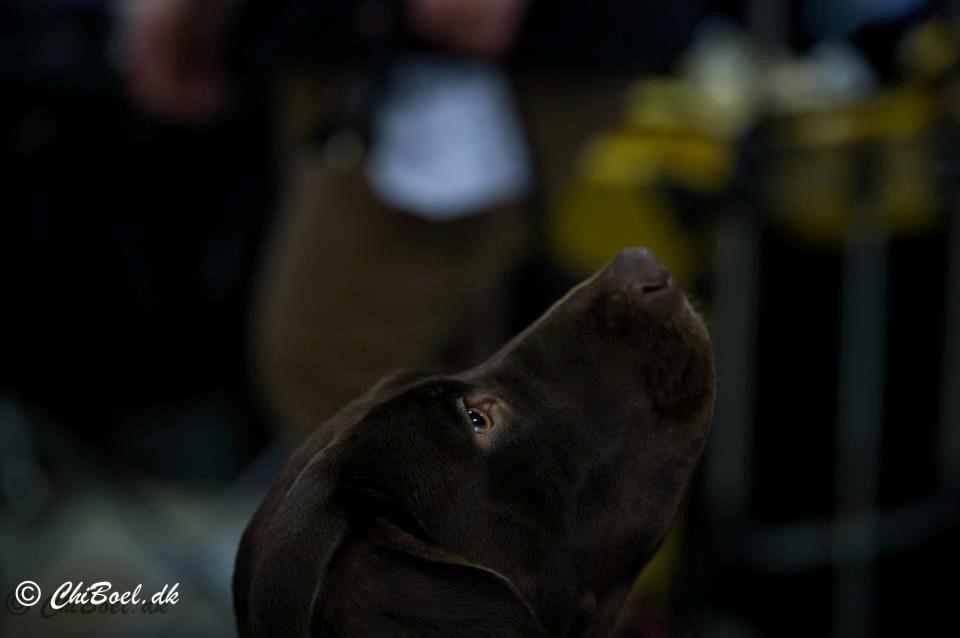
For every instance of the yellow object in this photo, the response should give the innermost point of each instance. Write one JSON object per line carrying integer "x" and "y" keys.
{"x": 620, "y": 197}
{"x": 876, "y": 154}
{"x": 928, "y": 51}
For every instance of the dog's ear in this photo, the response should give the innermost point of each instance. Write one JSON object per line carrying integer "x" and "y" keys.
{"x": 392, "y": 583}
{"x": 285, "y": 552}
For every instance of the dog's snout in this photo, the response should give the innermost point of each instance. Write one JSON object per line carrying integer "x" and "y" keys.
{"x": 638, "y": 270}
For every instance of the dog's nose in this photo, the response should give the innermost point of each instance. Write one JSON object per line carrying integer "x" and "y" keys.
{"x": 639, "y": 270}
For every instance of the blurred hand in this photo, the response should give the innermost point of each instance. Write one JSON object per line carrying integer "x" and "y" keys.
{"x": 475, "y": 27}
{"x": 171, "y": 58}
{"x": 171, "y": 48}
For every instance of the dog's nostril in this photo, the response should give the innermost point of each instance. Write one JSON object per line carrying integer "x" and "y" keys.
{"x": 648, "y": 286}
{"x": 637, "y": 271}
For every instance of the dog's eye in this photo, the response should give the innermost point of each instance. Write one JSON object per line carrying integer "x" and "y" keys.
{"x": 480, "y": 412}
{"x": 480, "y": 420}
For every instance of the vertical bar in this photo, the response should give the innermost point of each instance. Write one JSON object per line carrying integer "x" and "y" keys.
{"x": 953, "y": 11}
{"x": 859, "y": 428}
{"x": 949, "y": 437}
{"x": 728, "y": 466}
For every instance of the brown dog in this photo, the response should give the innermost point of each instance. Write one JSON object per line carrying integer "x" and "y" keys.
{"x": 519, "y": 498}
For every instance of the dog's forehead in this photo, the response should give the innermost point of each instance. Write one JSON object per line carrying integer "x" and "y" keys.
{"x": 410, "y": 413}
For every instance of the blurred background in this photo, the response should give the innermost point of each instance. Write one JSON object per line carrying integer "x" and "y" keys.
{"x": 223, "y": 219}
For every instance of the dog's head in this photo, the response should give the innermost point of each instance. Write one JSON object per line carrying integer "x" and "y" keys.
{"x": 520, "y": 497}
